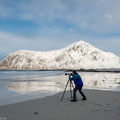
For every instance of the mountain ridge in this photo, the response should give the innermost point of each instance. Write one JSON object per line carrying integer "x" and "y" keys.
{"x": 79, "y": 55}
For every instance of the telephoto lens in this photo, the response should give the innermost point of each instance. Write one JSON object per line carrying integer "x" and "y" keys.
{"x": 68, "y": 73}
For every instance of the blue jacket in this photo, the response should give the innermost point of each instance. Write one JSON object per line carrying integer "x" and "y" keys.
{"x": 77, "y": 80}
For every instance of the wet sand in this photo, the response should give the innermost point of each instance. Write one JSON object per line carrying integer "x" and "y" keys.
{"x": 100, "y": 105}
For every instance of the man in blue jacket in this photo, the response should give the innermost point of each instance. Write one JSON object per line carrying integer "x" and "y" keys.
{"x": 78, "y": 85}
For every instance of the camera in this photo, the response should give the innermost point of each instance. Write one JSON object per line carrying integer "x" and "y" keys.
{"x": 68, "y": 74}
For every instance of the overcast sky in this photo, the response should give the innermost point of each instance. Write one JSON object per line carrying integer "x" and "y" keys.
{"x": 44, "y": 25}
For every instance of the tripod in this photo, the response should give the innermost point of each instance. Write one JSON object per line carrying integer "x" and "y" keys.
{"x": 71, "y": 85}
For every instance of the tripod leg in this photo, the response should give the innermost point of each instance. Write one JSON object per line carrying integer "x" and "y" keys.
{"x": 72, "y": 84}
{"x": 71, "y": 89}
{"x": 64, "y": 90}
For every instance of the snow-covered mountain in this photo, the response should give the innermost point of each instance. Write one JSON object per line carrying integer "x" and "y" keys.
{"x": 79, "y": 55}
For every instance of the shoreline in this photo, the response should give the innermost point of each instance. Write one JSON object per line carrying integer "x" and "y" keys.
{"x": 61, "y": 92}
{"x": 65, "y": 70}
{"x": 19, "y": 100}
{"x": 100, "y": 105}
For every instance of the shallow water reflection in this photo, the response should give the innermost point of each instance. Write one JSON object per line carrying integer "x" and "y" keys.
{"x": 57, "y": 83}
{"x": 16, "y": 87}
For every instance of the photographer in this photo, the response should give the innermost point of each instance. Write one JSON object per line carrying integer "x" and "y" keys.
{"x": 78, "y": 85}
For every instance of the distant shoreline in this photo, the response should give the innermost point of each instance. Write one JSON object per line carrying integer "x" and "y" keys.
{"x": 66, "y": 70}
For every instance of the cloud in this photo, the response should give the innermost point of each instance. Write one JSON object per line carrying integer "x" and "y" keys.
{"x": 59, "y": 23}
{"x": 108, "y": 16}
{"x": 12, "y": 42}
{"x": 108, "y": 45}
{"x": 86, "y": 14}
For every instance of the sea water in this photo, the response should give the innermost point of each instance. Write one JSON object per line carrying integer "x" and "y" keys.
{"x": 18, "y": 86}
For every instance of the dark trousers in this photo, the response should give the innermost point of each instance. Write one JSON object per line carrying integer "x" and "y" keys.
{"x": 80, "y": 90}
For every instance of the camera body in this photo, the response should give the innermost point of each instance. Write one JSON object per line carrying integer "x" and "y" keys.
{"x": 70, "y": 74}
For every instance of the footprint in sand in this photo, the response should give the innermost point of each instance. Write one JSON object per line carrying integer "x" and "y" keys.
{"x": 118, "y": 114}
{"x": 107, "y": 104}
{"x": 35, "y": 113}
{"x": 94, "y": 110}
{"x": 115, "y": 99}
{"x": 105, "y": 110}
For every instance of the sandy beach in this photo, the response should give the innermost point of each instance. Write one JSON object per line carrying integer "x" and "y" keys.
{"x": 100, "y": 105}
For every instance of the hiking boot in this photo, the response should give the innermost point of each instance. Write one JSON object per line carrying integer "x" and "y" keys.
{"x": 83, "y": 98}
{"x": 74, "y": 100}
